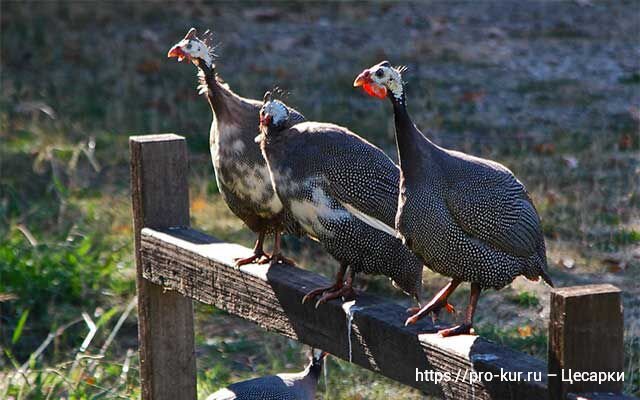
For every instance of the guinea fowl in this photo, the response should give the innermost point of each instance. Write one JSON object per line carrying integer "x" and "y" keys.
{"x": 343, "y": 191}
{"x": 241, "y": 171}
{"x": 296, "y": 386}
{"x": 467, "y": 218}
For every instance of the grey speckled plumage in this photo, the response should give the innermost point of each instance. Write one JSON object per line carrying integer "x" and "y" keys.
{"x": 293, "y": 386}
{"x": 241, "y": 171}
{"x": 467, "y": 217}
{"x": 343, "y": 191}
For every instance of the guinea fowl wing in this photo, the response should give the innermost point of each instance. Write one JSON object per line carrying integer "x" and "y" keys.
{"x": 489, "y": 203}
{"x": 294, "y": 118}
{"x": 357, "y": 174}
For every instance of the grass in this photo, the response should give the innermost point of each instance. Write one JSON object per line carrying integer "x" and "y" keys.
{"x": 525, "y": 299}
{"x": 523, "y": 338}
{"x": 76, "y": 81}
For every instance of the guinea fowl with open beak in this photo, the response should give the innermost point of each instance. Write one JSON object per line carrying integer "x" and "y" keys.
{"x": 241, "y": 171}
{"x": 467, "y": 217}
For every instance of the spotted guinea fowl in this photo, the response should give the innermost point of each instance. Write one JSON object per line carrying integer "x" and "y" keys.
{"x": 468, "y": 218}
{"x": 343, "y": 191}
{"x": 292, "y": 386}
{"x": 241, "y": 172}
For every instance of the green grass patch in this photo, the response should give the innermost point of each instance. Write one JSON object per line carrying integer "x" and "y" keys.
{"x": 525, "y": 299}
{"x": 524, "y": 339}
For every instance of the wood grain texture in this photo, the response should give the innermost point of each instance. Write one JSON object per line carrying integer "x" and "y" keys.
{"x": 585, "y": 335}
{"x": 165, "y": 332}
{"x": 200, "y": 267}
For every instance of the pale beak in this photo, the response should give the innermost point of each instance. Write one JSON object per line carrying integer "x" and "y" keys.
{"x": 362, "y": 78}
{"x": 369, "y": 86}
{"x": 176, "y": 51}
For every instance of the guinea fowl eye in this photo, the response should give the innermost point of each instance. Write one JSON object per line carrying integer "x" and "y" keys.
{"x": 379, "y": 73}
{"x": 188, "y": 46}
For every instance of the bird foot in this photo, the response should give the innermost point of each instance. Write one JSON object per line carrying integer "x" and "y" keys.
{"x": 328, "y": 293}
{"x": 463, "y": 329}
{"x": 432, "y": 307}
{"x": 345, "y": 292}
{"x": 258, "y": 257}
{"x": 319, "y": 291}
{"x": 415, "y": 310}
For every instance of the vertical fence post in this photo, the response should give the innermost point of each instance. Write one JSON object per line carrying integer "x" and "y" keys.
{"x": 585, "y": 335}
{"x": 160, "y": 199}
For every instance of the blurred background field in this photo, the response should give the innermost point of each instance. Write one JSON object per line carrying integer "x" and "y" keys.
{"x": 551, "y": 89}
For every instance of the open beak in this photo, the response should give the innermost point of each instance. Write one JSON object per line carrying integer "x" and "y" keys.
{"x": 362, "y": 78}
{"x": 176, "y": 51}
{"x": 369, "y": 86}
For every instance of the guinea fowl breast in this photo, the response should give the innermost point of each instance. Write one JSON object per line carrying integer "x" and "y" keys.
{"x": 241, "y": 172}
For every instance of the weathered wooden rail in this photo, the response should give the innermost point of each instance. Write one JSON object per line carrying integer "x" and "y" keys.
{"x": 176, "y": 264}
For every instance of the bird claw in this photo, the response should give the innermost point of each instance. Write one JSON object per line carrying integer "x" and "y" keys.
{"x": 255, "y": 258}
{"x": 463, "y": 329}
{"x": 434, "y": 309}
{"x": 317, "y": 292}
{"x": 329, "y": 293}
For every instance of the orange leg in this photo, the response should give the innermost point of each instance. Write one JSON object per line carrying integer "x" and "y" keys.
{"x": 438, "y": 302}
{"x": 258, "y": 253}
{"x": 276, "y": 255}
{"x": 466, "y": 326}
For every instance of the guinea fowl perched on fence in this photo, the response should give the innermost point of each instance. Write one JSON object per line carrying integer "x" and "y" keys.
{"x": 343, "y": 191}
{"x": 467, "y": 218}
{"x": 241, "y": 172}
{"x": 295, "y": 386}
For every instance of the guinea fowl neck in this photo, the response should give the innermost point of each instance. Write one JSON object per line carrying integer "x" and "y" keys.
{"x": 217, "y": 94}
{"x": 407, "y": 135}
{"x": 315, "y": 369}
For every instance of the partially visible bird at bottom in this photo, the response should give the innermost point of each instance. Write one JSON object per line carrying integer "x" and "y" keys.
{"x": 288, "y": 386}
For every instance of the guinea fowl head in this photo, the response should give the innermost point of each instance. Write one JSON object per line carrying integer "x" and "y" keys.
{"x": 191, "y": 48}
{"x": 273, "y": 116}
{"x": 381, "y": 80}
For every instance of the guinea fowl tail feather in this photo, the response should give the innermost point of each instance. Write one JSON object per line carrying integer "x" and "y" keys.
{"x": 545, "y": 277}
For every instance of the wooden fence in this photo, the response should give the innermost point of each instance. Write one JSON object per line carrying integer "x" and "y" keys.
{"x": 177, "y": 264}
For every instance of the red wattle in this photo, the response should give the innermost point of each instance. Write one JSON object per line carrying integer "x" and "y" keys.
{"x": 375, "y": 90}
